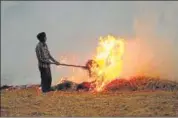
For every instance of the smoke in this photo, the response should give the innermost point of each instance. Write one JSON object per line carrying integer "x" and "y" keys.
{"x": 73, "y": 28}
{"x": 152, "y": 52}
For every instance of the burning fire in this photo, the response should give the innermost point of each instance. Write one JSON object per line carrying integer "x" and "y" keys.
{"x": 106, "y": 65}
{"x": 109, "y": 56}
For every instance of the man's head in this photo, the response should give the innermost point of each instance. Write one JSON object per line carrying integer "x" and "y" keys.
{"x": 42, "y": 37}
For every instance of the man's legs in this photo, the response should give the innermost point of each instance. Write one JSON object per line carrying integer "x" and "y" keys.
{"x": 49, "y": 79}
{"x": 44, "y": 79}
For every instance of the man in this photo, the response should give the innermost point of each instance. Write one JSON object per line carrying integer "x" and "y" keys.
{"x": 44, "y": 60}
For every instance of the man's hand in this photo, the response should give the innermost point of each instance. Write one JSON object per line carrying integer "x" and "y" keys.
{"x": 52, "y": 63}
{"x": 57, "y": 63}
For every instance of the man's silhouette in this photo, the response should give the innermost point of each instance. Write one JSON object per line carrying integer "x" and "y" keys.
{"x": 44, "y": 60}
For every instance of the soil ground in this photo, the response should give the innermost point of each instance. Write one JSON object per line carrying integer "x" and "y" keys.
{"x": 30, "y": 102}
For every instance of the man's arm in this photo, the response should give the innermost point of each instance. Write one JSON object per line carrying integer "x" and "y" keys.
{"x": 40, "y": 56}
{"x": 51, "y": 57}
{"x": 56, "y": 62}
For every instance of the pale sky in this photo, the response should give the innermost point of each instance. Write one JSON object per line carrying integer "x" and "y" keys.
{"x": 72, "y": 29}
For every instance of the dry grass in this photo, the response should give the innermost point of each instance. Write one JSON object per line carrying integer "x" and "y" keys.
{"x": 28, "y": 102}
{"x": 142, "y": 83}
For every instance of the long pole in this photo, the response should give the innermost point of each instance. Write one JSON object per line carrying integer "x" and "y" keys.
{"x": 79, "y": 66}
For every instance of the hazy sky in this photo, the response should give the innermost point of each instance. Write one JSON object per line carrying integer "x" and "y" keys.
{"x": 72, "y": 29}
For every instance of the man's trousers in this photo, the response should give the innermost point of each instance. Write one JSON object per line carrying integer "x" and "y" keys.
{"x": 46, "y": 79}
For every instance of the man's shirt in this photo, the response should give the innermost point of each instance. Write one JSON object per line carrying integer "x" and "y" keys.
{"x": 43, "y": 55}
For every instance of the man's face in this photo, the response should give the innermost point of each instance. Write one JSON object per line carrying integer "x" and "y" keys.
{"x": 45, "y": 38}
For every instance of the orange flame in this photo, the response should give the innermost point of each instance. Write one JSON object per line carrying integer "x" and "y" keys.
{"x": 109, "y": 56}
